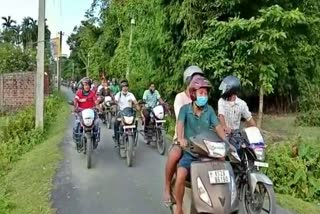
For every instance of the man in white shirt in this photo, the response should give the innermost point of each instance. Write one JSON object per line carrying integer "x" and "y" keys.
{"x": 175, "y": 152}
{"x": 231, "y": 109}
{"x": 124, "y": 99}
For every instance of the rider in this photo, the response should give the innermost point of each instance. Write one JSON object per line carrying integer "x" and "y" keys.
{"x": 124, "y": 99}
{"x": 114, "y": 86}
{"x": 103, "y": 92}
{"x": 192, "y": 119}
{"x": 230, "y": 107}
{"x": 175, "y": 152}
{"x": 151, "y": 97}
{"x": 85, "y": 99}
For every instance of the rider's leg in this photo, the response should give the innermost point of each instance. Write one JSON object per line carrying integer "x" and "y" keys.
{"x": 96, "y": 131}
{"x": 182, "y": 174}
{"x": 76, "y": 130}
{"x": 174, "y": 156}
{"x": 116, "y": 127}
{"x": 146, "y": 115}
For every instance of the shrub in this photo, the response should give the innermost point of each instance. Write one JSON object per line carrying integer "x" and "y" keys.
{"x": 309, "y": 118}
{"x": 294, "y": 167}
{"x": 19, "y": 135}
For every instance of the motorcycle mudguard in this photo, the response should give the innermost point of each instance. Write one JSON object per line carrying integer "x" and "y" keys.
{"x": 256, "y": 177}
{"x": 220, "y": 194}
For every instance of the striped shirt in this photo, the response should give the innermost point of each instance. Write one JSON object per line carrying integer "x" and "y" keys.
{"x": 233, "y": 111}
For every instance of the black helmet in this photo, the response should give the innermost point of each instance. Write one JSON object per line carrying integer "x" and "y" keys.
{"x": 124, "y": 83}
{"x": 229, "y": 86}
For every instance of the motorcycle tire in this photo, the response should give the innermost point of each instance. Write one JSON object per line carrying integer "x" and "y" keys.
{"x": 161, "y": 142}
{"x": 89, "y": 149}
{"x": 269, "y": 191}
{"x": 129, "y": 150}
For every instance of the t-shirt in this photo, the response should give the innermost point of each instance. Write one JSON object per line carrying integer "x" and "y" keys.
{"x": 151, "y": 98}
{"x": 124, "y": 100}
{"x": 194, "y": 124}
{"x": 180, "y": 100}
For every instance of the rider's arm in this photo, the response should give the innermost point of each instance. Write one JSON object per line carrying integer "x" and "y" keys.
{"x": 182, "y": 119}
{"x": 117, "y": 97}
{"x": 221, "y": 113}
{"x": 76, "y": 102}
{"x": 159, "y": 97}
{"x": 246, "y": 114}
{"x": 144, "y": 97}
{"x": 177, "y": 105}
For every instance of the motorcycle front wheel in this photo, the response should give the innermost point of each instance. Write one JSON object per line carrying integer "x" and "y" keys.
{"x": 89, "y": 149}
{"x": 161, "y": 142}
{"x": 255, "y": 203}
{"x": 129, "y": 150}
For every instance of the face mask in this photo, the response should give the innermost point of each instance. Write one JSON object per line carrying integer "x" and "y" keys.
{"x": 201, "y": 101}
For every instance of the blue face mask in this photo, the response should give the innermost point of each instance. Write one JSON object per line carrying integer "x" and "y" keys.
{"x": 201, "y": 101}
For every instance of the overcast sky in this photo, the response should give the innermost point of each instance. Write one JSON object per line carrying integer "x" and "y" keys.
{"x": 61, "y": 14}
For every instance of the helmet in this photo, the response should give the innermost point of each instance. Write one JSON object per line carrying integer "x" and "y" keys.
{"x": 86, "y": 80}
{"x": 229, "y": 86}
{"x": 190, "y": 72}
{"x": 124, "y": 83}
{"x": 197, "y": 83}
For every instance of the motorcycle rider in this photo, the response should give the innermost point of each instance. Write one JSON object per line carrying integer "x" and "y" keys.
{"x": 230, "y": 107}
{"x": 193, "y": 118}
{"x": 124, "y": 99}
{"x": 114, "y": 86}
{"x": 175, "y": 151}
{"x": 151, "y": 97}
{"x": 85, "y": 99}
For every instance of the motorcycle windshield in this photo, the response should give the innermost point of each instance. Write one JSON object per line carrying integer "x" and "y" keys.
{"x": 207, "y": 134}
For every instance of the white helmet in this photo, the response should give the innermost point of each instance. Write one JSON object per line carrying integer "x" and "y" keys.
{"x": 190, "y": 72}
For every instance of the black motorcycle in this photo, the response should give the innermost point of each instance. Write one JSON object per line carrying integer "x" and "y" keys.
{"x": 127, "y": 137}
{"x": 252, "y": 184}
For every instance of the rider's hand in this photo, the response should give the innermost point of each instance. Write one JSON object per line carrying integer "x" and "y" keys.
{"x": 227, "y": 130}
{"x": 183, "y": 142}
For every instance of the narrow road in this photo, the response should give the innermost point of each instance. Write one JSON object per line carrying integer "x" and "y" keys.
{"x": 110, "y": 187}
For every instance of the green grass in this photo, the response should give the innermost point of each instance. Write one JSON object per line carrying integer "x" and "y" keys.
{"x": 297, "y": 205}
{"x": 283, "y": 125}
{"x": 29, "y": 183}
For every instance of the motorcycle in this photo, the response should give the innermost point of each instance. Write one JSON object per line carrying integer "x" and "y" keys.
{"x": 128, "y": 138}
{"x": 108, "y": 112}
{"x": 251, "y": 182}
{"x": 156, "y": 129}
{"x": 212, "y": 187}
{"x": 85, "y": 134}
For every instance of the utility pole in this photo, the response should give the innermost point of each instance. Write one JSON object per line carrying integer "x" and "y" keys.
{"x": 132, "y": 22}
{"x": 59, "y": 61}
{"x": 40, "y": 65}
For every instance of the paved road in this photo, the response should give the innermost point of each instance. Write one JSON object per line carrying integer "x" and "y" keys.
{"x": 110, "y": 187}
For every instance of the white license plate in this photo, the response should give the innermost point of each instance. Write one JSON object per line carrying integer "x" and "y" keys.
{"x": 261, "y": 164}
{"x": 219, "y": 176}
{"x": 160, "y": 121}
{"x": 129, "y": 127}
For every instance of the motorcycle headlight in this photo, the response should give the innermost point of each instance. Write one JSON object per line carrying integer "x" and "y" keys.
{"x": 128, "y": 120}
{"x": 260, "y": 153}
{"x": 87, "y": 121}
{"x": 216, "y": 149}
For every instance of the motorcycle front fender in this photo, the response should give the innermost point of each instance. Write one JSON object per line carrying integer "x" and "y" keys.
{"x": 256, "y": 177}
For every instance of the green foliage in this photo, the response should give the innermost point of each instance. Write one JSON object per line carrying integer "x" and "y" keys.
{"x": 13, "y": 59}
{"x": 294, "y": 167}
{"x": 19, "y": 135}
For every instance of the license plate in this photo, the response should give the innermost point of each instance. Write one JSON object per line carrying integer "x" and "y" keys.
{"x": 219, "y": 176}
{"x": 129, "y": 127}
{"x": 261, "y": 164}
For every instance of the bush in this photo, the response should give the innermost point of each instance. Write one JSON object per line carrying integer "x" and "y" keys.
{"x": 170, "y": 126}
{"x": 19, "y": 135}
{"x": 294, "y": 167}
{"x": 309, "y": 118}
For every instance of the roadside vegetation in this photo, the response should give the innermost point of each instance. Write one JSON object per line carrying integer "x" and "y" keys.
{"x": 28, "y": 158}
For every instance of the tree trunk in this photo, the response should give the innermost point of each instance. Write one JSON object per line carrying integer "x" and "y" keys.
{"x": 260, "y": 113}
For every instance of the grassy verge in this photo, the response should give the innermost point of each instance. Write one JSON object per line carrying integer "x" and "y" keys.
{"x": 28, "y": 185}
{"x": 297, "y": 205}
